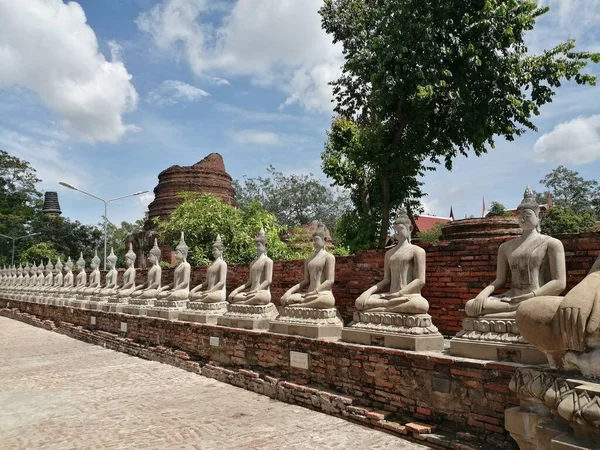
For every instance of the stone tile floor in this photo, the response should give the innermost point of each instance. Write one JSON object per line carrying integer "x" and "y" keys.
{"x": 60, "y": 393}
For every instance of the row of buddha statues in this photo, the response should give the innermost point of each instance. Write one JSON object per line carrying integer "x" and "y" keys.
{"x": 529, "y": 312}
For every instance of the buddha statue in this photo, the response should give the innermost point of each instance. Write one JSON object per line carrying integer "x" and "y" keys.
{"x": 94, "y": 281}
{"x": 68, "y": 278}
{"x": 319, "y": 276}
{"x": 58, "y": 277}
{"x": 49, "y": 278}
{"x": 213, "y": 288}
{"x": 129, "y": 276}
{"x": 179, "y": 289}
{"x": 403, "y": 277}
{"x": 149, "y": 290}
{"x": 39, "y": 284}
{"x": 81, "y": 278}
{"x": 536, "y": 263}
{"x": 19, "y": 279}
{"x": 257, "y": 290}
{"x": 566, "y": 329}
{"x": 26, "y": 276}
{"x": 110, "y": 288}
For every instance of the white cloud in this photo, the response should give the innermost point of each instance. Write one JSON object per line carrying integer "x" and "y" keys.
{"x": 576, "y": 141}
{"x": 257, "y": 137}
{"x": 146, "y": 199}
{"x": 171, "y": 92}
{"x": 278, "y": 43}
{"x": 47, "y": 46}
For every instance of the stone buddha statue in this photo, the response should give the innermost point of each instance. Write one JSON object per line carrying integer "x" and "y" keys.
{"x": 58, "y": 277}
{"x": 39, "y": 283}
{"x": 149, "y": 290}
{"x": 179, "y": 289}
{"x": 567, "y": 329}
{"x": 68, "y": 279}
{"x": 403, "y": 277}
{"x": 257, "y": 290}
{"x": 19, "y": 280}
{"x": 213, "y": 288}
{"x": 26, "y": 276}
{"x": 49, "y": 278}
{"x": 81, "y": 278}
{"x": 129, "y": 276}
{"x": 94, "y": 281}
{"x": 319, "y": 276}
{"x": 110, "y": 288}
{"x": 536, "y": 263}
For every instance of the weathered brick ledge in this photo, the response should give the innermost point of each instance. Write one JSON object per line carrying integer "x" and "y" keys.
{"x": 462, "y": 400}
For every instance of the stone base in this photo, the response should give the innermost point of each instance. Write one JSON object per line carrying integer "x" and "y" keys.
{"x": 142, "y": 301}
{"x": 415, "y": 342}
{"x": 249, "y": 317}
{"x": 201, "y": 312}
{"x": 497, "y": 351}
{"x": 491, "y": 330}
{"x": 314, "y": 323}
{"x": 166, "y": 309}
{"x": 112, "y": 307}
{"x": 96, "y": 304}
{"x": 121, "y": 300}
{"x": 567, "y": 441}
{"x": 135, "y": 310}
{"x": 522, "y": 426}
{"x": 170, "y": 304}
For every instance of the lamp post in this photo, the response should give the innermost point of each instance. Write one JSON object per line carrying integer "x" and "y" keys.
{"x": 12, "y": 261}
{"x": 106, "y": 202}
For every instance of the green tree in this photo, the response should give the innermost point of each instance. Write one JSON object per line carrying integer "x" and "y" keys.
{"x": 117, "y": 237}
{"x": 569, "y": 190}
{"x": 42, "y": 251}
{"x": 293, "y": 199}
{"x": 204, "y": 217}
{"x": 498, "y": 210}
{"x": 434, "y": 234}
{"x": 561, "y": 220}
{"x": 429, "y": 81}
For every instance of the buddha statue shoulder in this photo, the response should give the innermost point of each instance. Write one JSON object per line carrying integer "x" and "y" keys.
{"x": 110, "y": 280}
{"x": 212, "y": 290}
{"x": 150, "y": 288}
{"x": 94, "y": 280}
{"x": 403, "y": 276}
{"x": 129, "y": 276}
{"x": 536, "y": 264}
{"x": 179, "y": 289}
{"x": 319, "y": 276}
{"x": 257, "y": 289}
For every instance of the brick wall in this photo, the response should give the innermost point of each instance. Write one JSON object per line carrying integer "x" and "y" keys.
{"x": 456, "y": 272}
{"x": 463, "y": 400}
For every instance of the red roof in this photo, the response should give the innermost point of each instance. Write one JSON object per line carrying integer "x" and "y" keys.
{"x": 424, "y": 223}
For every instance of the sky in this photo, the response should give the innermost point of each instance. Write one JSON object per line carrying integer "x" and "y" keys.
{"x": 104, "y": 95}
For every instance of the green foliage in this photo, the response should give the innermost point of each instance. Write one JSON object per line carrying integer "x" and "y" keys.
{"x": 166, "y": 265}
{"x": 569, "y": 190}
{"x": 425, "y": 82}
{"x": 498, "y": 210}
{"x": 357, "y": 232}
{"x": 202, "y": 218}
{"x": 341, "y": 251}
{"x": 434, "y": 234}
{"x": 561, "y": 220}
{"x": 117, "y": 236}
{"x": 40, "y": 252}
{"x": 293, "y": 199}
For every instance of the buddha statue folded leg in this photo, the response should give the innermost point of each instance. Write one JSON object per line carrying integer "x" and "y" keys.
{"x": 406, "y": 304}
{"x": 136, "y": 294}
{"x": 493, "y": 307}
{"x": 208, "y": 297}
{"x": 324, "y": 300}
{"x": 148, "y": 293}
{"x": 178, "y": 295}
{"x": 257, "y": 298}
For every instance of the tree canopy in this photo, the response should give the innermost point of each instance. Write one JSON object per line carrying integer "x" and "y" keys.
{"x": 427, "y": 81}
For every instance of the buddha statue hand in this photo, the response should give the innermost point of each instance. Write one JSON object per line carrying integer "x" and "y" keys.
{"x": 517, "y": 298}
{"x": 578, "y": 317}
{"x": 474, "y": 307}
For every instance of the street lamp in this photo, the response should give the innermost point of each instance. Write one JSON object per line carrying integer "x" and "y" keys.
{"x": 106, "y": 202}
{"x": 12, "y": 262}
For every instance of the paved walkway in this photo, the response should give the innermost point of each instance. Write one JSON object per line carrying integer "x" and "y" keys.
{"x": 60, "y": 393}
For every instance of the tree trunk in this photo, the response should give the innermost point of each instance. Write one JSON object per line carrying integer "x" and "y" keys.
{"x": 385, "y": 214}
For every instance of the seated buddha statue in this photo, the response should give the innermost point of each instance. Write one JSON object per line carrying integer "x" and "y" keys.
{"x": 570, "y": 324}
{"x": 94, "y": 281}
{"x": 536, "y": 263}
{"x": 213, "y": 288}
{"x": 403, "y": 277}
{"x": 81, "y": 278}
{"x": 58, "y": 277}
{"x": 67, "y": 285}
{"x": 49, "y": 277}
{"x": 149, "y": 290}
{"x": 129, "y": 276}
{"x": 110, "y": 288}
{"x": 319, "y": 276}
{"x": 26, "y": 276}
{"x": 179, "y": 289}
{"x": 39, "y": 278}
{"x": 19, "y": 279}
{"x": 257, "y": 290}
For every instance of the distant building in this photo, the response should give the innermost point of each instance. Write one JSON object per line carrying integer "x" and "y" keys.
{"x": 424, "y": 222}
{"x": 51, "y": 206}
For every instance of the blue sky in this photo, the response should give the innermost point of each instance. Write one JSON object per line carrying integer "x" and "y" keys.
{"x": 105, "y": 95}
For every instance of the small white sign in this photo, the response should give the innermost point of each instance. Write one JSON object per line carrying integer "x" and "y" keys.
{"x": 93, "y": 320}
{"x": 214, "y": 341}
{"x": 299, "y": 360}
{"x": 123, "y": 327}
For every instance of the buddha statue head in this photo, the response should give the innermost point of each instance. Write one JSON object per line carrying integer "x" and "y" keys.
{"x": 59, "y": 266}
{"x": 111, "y": 260}
{"x": 41, "y": 268}
{"x": 95, "y": 260}
{"x": 33, "y": 269}
{"x": 318, "y": 236}
{"x": 130, "y": 256}
{"x": 260, "y": 242}
{"x": 181, "y": 251}
{"x": 25, "y": 269}
{"x": 49, "y": 267}
{"x": 154, "y": 254}
{"x": 20, "y": 270}
{"x": 217, "y": 247}
{"x": 403, "y": 227}
{"x": 529, "y": 212}
{"x": 69, "y": 265}
{"x": 81, "y": 262}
